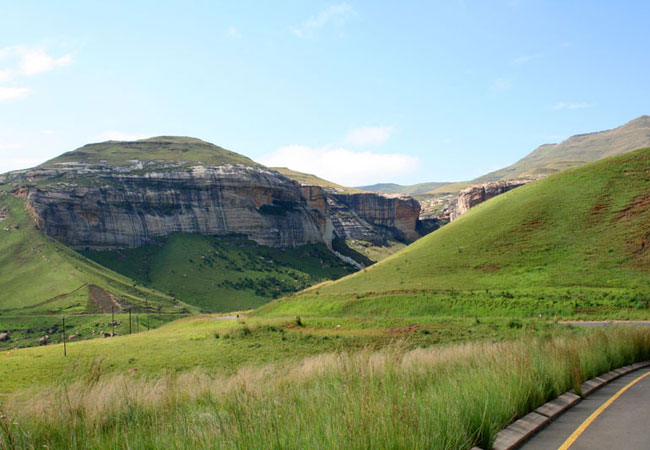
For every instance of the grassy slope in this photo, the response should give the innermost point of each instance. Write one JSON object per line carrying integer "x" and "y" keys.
{"x": 577, "y": 150}
{"x": 41, "y": 280}
{"x": 163, "y": 148}
{"x": 40, "y": 275}
{"x": 309, "y": 179}
{"x": 217, "y": 276}
{"x": 583, "y": 229}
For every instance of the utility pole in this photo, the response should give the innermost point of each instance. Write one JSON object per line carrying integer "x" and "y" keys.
{"x": 113, "y": 319}
{"x": 65, "y": 352}
{"x": 146, "y": 302}
{"x": 130, "y": 320}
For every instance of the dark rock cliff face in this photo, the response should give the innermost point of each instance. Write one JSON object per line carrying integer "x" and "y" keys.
{"x": 102, "y": 207}
{"x": 369, "y": 216}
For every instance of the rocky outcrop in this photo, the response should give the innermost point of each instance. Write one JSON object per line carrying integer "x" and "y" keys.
{"x": 373, "y": 217}
{"x": 477, "y": 194}
{"x": 104, "y": 209}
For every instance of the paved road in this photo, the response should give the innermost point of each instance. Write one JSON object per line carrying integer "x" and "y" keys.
{"x": 624, "y": 424}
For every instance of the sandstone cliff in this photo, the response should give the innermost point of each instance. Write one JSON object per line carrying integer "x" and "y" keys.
{"x": 477, "y": 194}
{"x": 117, "y": 210}
{"x": 371, "y": 217}
{"x": 87, "y": 201}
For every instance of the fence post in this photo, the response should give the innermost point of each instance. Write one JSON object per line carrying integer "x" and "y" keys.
{"x": 65, "y": 352}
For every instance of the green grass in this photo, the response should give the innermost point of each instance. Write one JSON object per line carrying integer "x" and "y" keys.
{"x": 219, "y": 274}
{"x": 221, "y": 346}
{"x": 169, "y": 149}
{"x": 444, "y": 397}
{"x": 572, "y": 237}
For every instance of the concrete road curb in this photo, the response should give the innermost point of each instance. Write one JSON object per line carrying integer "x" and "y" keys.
{"x": 521, "y": 430}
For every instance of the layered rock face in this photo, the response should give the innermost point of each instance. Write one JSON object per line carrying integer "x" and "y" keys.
{"x": 477, "y": 194}
{"x": 99, "y": 207}
{"x": 371, "y": 217}
{"x": 104, "y": 208}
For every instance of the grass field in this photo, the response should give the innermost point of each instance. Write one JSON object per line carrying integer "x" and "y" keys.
{"x": 457, "y": 397}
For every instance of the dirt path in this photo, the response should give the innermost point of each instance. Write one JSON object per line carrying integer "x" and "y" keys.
{"x": 104, "y": 300}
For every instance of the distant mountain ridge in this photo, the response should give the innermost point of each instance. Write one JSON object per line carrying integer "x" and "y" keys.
{"x": 576, "y": 151}
{"x": 392, "y": 188}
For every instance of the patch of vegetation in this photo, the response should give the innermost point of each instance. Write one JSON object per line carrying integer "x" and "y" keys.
{"x": 219, "y": 274}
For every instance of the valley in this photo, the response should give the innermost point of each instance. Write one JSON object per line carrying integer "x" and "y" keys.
{"x": 333, "y": 288}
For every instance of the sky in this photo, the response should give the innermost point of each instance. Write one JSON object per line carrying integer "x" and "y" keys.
{"x": 357, "y": 92}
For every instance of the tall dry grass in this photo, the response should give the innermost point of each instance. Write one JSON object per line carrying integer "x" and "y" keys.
{"x": 441, "y": 397}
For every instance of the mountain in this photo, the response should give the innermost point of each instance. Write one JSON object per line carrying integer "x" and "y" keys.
{"x": 580, "y": 232}
{"x": 201, "y": 223}
{"x": 576, "y": 151}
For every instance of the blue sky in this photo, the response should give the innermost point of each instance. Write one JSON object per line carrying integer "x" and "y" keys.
{"x": 357, "y": 92}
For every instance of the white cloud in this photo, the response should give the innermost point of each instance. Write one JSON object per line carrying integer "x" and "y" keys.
{"x": 571, "y": 105}
{"x": 334, "y": 14}
{"x": 48, "y": 132}
{"x": 12, "y": 93}
{"x": 341, "y": 165}
{"x": 233, "y": 33}
{"x": 114, "y": 135}
{"x": 363, "y": 136}
{"x": 447, "y": 140}
{"x": 5, "y": 75}
{"x": 35, "y": 61}
{"x": 28, "y": 61}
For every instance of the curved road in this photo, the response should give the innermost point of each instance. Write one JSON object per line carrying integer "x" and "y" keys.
{"x": 610, "y": 418}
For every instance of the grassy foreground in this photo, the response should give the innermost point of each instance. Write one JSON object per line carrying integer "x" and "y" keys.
{"x": 441, "y": 397}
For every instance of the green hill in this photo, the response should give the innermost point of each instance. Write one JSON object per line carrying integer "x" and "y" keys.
{"x": 582, "y": 233}
{"x": 164, "y": 149}
{"x": 576, "y": 151}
